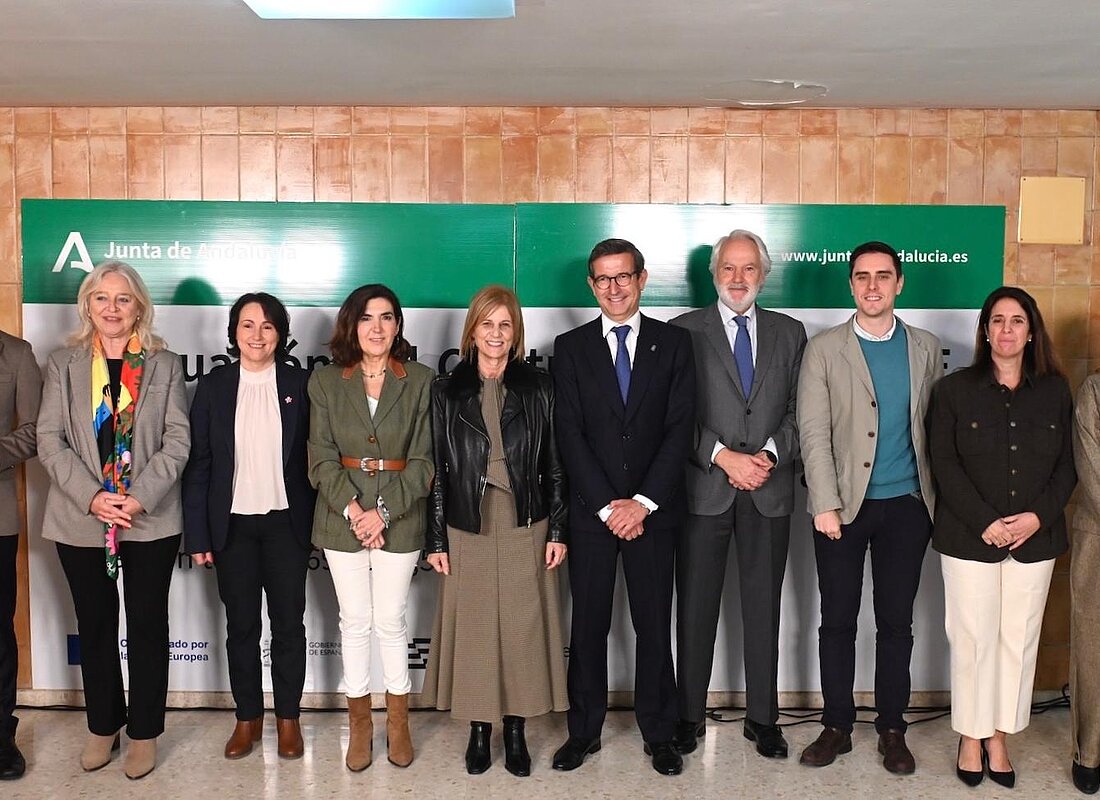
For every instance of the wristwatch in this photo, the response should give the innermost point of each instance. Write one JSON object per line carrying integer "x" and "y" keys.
{"x": 772, "y": 457}
{"x": 383, "y": 512}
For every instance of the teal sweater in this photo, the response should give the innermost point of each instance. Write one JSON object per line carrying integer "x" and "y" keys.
{"x": 895, "y": 469}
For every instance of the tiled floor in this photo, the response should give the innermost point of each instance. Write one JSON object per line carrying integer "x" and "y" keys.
{"x": 191, "y": 764}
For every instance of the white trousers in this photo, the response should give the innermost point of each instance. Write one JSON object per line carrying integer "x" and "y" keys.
{"x": 372, "y": 588}
{"x": 994, "y": 615}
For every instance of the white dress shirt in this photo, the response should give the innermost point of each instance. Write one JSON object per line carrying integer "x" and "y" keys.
{"x": 258, "y": 485}
{"x": 862, "y": 334}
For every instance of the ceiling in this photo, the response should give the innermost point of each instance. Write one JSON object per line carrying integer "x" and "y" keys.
{"x": 867, "y": 53}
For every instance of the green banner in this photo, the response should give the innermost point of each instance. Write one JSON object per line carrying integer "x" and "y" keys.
{"x": 437, "y": 256}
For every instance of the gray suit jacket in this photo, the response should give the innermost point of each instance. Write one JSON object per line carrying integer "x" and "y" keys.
{"x": 20, "y": 393}
{"x": 67, "y": 449}
{"x": 1086, "y": 455}
{"x": 723, "y": 413}
{"x": 838, "y": 417}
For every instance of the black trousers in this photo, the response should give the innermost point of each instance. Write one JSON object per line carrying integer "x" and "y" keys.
{"x": 648, "y": 567}
{"x": 701, "y": 554}
{"x": 147, "y": 574}
{"x": 897, "y": 531}
{"x": 262, "y": 556}
{"x": 9, "y": 648}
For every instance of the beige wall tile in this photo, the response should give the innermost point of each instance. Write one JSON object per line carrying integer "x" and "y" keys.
{"x": 706, "y": 121}
{"x": 7, "y": 171}
{"x": 221, "y": 167}
{"x": 70, "y": 166}
{"x": 220, "y": 119}
{"x": 144, "y": 119}
{"x": 1077, "y": 123}
{"x": 630, "y": 121}
{"x": 928, "y": 178}
{"x": 593, "y": 169}
{"x": 258, "y": 172}
{"x": 855, "y": 121}
{"x": 1039, "y": 156}
{"x": 9, "y": 261}
{"x": 744, "y": 169}
{"x": 630, "y": 169}
{"x": 370, "y": 169}
{"x": 484, "y": 181}
{"x": 928, "y": 122}
{"x": 965, "y": 171}
{"x": 483, "y": 121}
{"x": 668, "y": 169}
{"x": 557, "y": 169}
{"x": 33, "y": 120}
{"x": 519, "y": 121}
{"x": 781, "y": 183}
{"x": 294, "y": 167}
{"x": 1036, "y": 264}
{"x": 555, "y": 119}
{"x": 817, "y": 122}
{"x": 1036, "y": 122}
{"x": 33, "y": 167}
{"x": 1072, "y": 264}
{"x": 145, "y": 167}
{"x": 183, "y": 119}
{"x": 1001, "y": 175}
{"x": 258, "y": 119}
{"x": 183, "y": 165}
{"x": 890, "y": 121}
{"x": 668, "y": 121}
{"x": 818, "y": 169}
{"x": 781, "y": 122}
{"x": 520, "y": 169}
{"x": 744, "y": 122}
{"x": 69, "y": 120}
{"x": 594, "y": 121}
{"x": 445, "y": 121}
{"x": 892, "y": 162}
{"x": 1003, "y": 122}
{"x": 855, "y": 169}
{"x": 1070, "y": 328}
{"x": 963, "y": 122}
{"x": 408, "y": 169}
{"x": 294, "y": 119}
{"x": 370, "y": 119}
{"x": 446, "y": 169}
{"x": 107, "y": 167}
{"x": 106, "y": 120}
{"x": 333, "y": 120}
{"x": 332, "y": 168}
{"x": 408, "y": 120}
{"x": 7, "y": 120}
{"x": 706, "y": 169}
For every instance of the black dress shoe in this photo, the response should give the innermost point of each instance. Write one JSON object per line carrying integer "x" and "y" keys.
{"x": 12, "y": 763}
{"x": 665, "y": 758}
{"x": 516, "y": 758}
{"x": 688, "y": 735}
{"x": 1006, "y": 779}
{"x": 477, "y": 751}
{"x": 1086, "y": 779}
{"x": 969, "y": 776}
{"x": 769, "y": 739}
{"x": 573, "y": 753}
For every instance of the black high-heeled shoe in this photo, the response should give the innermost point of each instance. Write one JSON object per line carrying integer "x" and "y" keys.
{"x": 1005, "y": 779}
{"x": 516, "y": 758}
{"x": 968, "y": 776}
{"x": 477, "y": 751}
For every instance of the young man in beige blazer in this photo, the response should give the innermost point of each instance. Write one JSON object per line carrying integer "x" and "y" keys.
{"x": 862, "y": 395}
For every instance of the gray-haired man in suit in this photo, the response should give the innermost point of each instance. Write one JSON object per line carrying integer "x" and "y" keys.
{"x": 20, "y": 394}
{"x": 740, "y": 483}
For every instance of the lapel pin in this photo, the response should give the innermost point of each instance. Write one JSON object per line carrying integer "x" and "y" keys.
{"x": 288, "y": 399}
{"x": 653, "y": 348}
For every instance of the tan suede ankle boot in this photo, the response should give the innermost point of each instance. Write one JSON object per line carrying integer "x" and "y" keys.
{"x": 398, "y": 741}
{"x": 360, "y": 739}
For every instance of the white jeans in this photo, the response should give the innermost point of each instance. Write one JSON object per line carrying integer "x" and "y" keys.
{"x": 372, "y": 588}
{"x": 994, "y": 614}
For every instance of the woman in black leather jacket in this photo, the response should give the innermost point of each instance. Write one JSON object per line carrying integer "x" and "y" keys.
{"x": 496, "y": 534}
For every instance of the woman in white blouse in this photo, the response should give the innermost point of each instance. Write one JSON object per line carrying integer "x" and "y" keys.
{"x": 248, "y": 510}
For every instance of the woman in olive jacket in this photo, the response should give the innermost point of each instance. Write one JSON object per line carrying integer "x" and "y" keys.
{"x": 370, "y": 453}
{"x": 497, "y": 532}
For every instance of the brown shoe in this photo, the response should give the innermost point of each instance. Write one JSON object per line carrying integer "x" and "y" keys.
{"x": 140, "y": 759}
{"x": 245, "y": 734}
{"x": 290, "y": 738}
{"x": 896, "y": 756}
{"x": 360, "y": 735}
{"x": 97, "y": 751}
{"x": 398, "y": 740}
{"x": 830, "y": 743}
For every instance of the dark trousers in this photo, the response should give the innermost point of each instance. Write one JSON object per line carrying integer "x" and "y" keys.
{"x": 147, "y": 573}
{"x": 262, "y": 556}
{"x": 9, "y": 648}
{"x": 701, "y": 554}
{"x": 648, "y": 567}
{"x": 897, "y": 531}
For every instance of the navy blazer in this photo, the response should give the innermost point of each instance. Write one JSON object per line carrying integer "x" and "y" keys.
{"x": 611, "y": 450}
{"x": 208, "y": 479}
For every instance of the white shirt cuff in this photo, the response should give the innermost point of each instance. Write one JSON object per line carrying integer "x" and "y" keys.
{"x": 604, "y": 513}
{"x": 718, "y": 448}
{"x": 645, "y": 501}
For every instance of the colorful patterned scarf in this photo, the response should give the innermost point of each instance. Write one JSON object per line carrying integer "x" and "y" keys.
{"x": 114, "y": 428}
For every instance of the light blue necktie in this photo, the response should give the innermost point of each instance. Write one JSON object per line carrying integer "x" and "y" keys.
{"x": 742, "y": 354}
{"x": 622, "y": 361}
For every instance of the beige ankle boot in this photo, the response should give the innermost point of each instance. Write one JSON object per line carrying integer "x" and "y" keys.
{"x": 141, "y": 758}
{"x": 97, "y": 751}
{"x": 398, "y": 741}
{"x": 360, "y": 739}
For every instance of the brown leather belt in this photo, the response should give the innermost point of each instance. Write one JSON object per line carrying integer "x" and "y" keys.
{"x": 374, "y": 464}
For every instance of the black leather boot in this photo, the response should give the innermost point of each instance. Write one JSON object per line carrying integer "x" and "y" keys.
{"x": 477, "y": 751}
{"x": 12, "y": 764}
{"x": 516, "y": 758}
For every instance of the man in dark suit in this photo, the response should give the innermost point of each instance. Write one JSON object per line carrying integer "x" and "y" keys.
{"x": 740, "y": 482}
{"x": 20, "y": 394}
{"x": 625, "y": 396}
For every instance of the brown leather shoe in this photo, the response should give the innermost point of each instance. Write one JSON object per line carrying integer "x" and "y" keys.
{"x": 896, "y": 756}
{"x": 245, "y": 734}
{"x": 829, "y": 744}
{"x": 360, "y": 734}
{"x": 290, "y": 738}
{"x": 398, "y": 740}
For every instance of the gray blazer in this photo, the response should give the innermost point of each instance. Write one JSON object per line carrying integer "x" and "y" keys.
{"x": 838, "y": 417}
{"x": 20, "y": 393}
{"x": 723, "y": 413}
{"x": 67, "y": 449}
{"x": 1086, "y": 455}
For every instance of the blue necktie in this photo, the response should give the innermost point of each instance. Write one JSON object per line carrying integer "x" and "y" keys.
{"x": 622, "y": 361}
{"x": 742, "y": 354}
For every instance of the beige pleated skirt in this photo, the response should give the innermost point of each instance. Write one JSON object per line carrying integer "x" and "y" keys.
{"x": 497, "y": 641}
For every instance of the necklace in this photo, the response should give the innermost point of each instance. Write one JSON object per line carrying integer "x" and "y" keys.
{"x": 378, "y": 374}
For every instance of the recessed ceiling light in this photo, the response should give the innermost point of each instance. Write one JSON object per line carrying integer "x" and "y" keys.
{"x": 383, "y": 9}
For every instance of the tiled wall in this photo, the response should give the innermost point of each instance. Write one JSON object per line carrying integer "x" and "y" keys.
{"x": 506, "y": 155}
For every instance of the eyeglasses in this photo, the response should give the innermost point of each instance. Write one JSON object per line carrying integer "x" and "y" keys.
{"x": 622, "y": 279}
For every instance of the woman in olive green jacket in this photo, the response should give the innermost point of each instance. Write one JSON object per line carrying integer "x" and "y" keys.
{"x": 370, "y": 453}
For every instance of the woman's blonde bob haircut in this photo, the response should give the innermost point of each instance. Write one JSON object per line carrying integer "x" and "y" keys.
{"x": 143, "y": 325}
{"x": 484, "y": 303}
